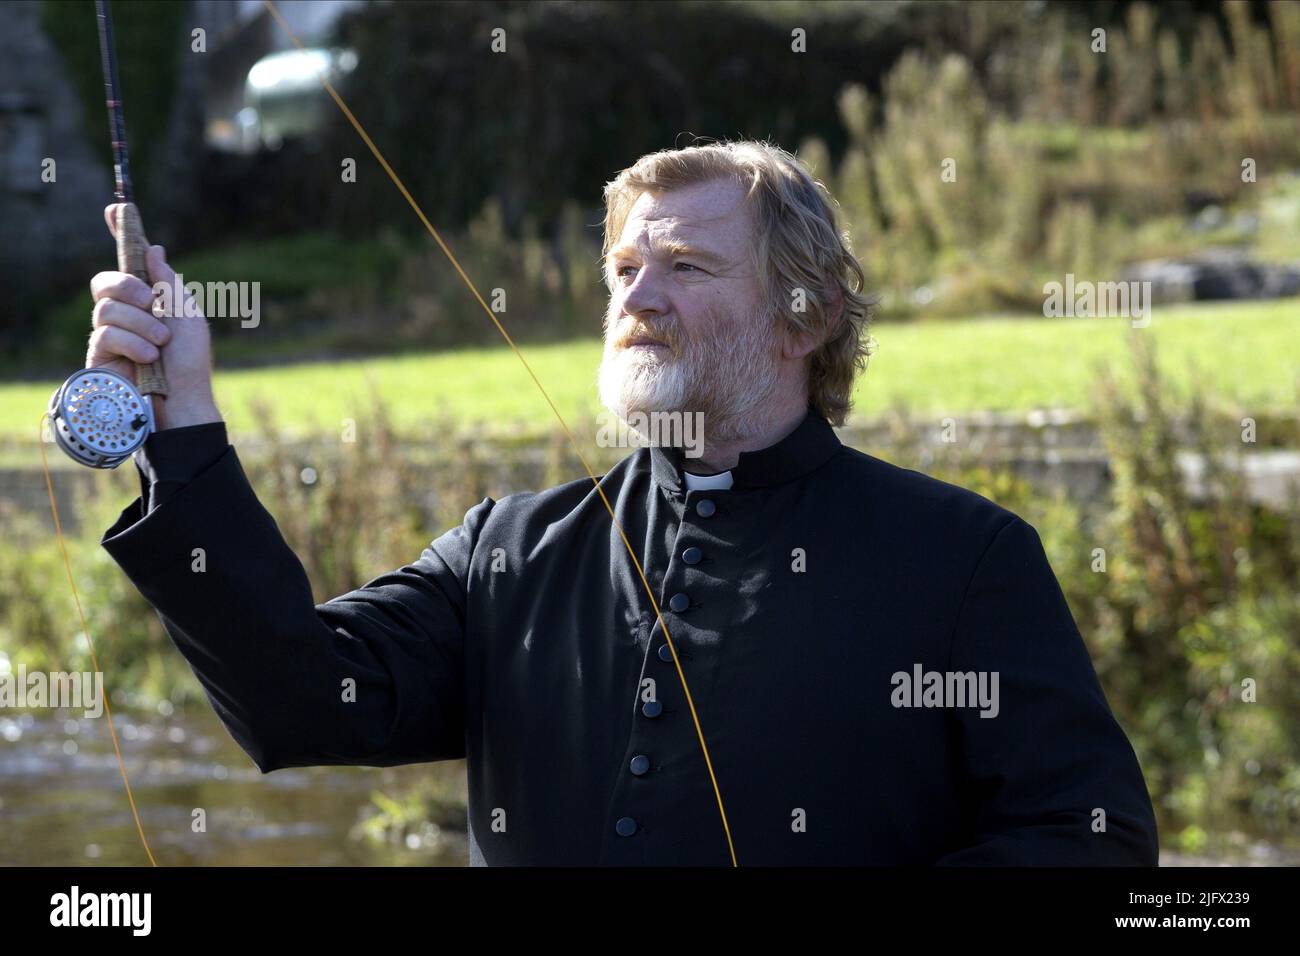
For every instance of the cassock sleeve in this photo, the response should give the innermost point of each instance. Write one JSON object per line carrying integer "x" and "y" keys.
{"x": 1040, "y": 774}
{"x": 170, "y": 459}
{"x": 373, "y": 677}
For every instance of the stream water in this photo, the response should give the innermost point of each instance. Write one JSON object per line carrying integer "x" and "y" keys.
{"x": 62, "y": 801}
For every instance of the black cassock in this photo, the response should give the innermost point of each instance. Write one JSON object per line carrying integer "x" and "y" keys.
{"x": 524, "y": 641}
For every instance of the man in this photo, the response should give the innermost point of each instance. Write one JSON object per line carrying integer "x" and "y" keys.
{"x": 876, "y": 667}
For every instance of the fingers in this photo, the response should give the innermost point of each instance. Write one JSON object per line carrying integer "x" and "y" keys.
{"x": 109, "y": 342}
{"x": 128, "y": 317}
{"x": 126, "y": 288}
{"x": 125, "y": 330}
{"x": 123, "y": 287}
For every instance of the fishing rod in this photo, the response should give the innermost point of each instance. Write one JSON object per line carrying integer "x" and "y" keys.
{"x": 100, "y": 417}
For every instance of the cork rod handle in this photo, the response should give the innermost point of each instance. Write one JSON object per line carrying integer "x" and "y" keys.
{"x": 132, "y": 248}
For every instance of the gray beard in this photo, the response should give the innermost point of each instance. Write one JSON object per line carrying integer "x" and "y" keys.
{"x": 729, "y": 380}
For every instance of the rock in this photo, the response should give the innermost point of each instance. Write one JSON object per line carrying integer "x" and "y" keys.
{"x": 1215, "y": 274}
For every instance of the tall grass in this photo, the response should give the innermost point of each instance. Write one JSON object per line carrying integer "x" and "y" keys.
{"x": 1061, "y": 160}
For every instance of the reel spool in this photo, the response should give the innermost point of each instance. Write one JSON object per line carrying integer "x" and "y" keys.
{"x": 99, "y": 418}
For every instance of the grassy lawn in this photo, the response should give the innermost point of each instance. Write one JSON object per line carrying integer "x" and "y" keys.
{"x": 1242, "y": 352}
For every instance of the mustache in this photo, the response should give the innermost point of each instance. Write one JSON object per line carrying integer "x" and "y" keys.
{"x": 638, "y": 329}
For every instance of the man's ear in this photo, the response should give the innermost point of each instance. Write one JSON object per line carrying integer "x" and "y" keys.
{"x": 797, "y": 344}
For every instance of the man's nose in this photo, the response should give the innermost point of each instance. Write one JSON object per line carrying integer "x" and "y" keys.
{"x": 646, "y": 294}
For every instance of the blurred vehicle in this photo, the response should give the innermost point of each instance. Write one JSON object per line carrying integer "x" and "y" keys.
{"x": 284, "y": 95}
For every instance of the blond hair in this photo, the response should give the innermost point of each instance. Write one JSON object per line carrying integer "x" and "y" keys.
{"x": 800, "y": 246}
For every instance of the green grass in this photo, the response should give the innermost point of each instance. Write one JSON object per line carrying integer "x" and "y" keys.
{"x": 1240, "y": 352}
{"x": 1244, "y": 353}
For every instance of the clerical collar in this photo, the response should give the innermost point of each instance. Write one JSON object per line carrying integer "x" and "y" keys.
{"x": 802, "y": 451}
{"x": 719, "y": 482}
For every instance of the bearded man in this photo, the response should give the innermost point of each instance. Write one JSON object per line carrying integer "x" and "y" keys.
{"x": 852, "y": 663}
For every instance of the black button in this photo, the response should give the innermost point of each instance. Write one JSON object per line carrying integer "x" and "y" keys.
{"x": 692, "y": 555}
{"x": 652, "y": 708}
{"x": 640, "y": 764}
{"x": 705, "y": 508}
{"x": 665, "y": 653}
{"x": 678, "y": 602}
{"x": 626, "y": 826}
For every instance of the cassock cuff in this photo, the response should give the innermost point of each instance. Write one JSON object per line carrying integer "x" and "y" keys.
{"x": 170, "y": 459}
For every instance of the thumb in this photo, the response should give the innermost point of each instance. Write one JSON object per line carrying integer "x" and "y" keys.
{"x": 159, "y": 270}
{"x": 110, "y": 217}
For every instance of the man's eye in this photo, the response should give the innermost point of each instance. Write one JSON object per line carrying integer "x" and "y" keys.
{"x": 621, "y": 271}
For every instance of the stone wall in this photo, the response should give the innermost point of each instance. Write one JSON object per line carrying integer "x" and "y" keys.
{"x": 50, "y": 228}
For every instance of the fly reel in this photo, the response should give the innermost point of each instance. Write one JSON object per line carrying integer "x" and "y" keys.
{"x": 99, "y": 418}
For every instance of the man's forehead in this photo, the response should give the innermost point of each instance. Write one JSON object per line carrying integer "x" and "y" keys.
{"x": 708, "y": 211}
